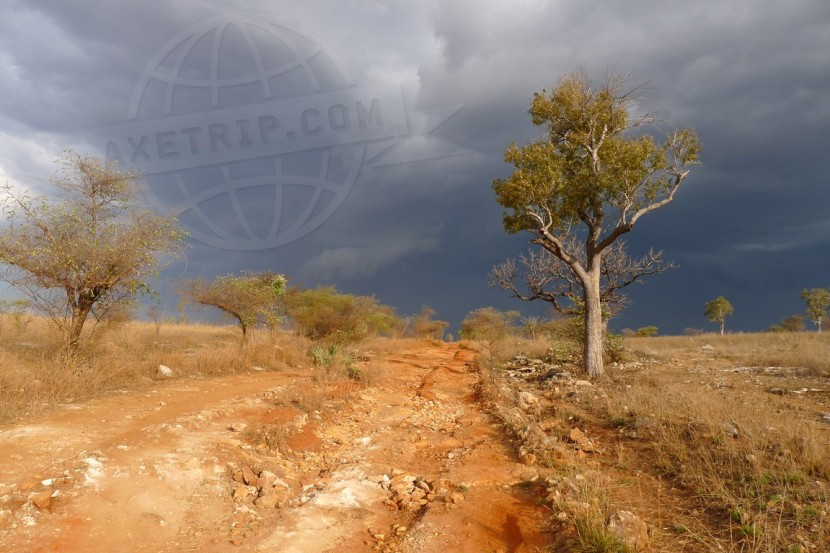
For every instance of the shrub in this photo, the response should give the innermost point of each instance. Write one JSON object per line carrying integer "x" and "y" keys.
{"x": 424, "y": 326}
{"x": 325, "y": 314}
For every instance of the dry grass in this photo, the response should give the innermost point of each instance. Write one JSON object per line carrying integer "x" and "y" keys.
{"x": 756, "y": 464}
{"x": 807, "y": 350}
{"x": 748, "y": 469}
{"x": 36, "y": 375}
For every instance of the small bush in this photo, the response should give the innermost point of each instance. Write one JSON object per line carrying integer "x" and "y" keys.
{"x": 646, "y": 332}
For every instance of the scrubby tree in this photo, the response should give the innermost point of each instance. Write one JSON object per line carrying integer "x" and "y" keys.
{"x": 533, "y": 326}
{"x": 793, "y": 323}
{"x": 818, "y": 303}
{"x": 248, "y": 298}
{"x": 325, "y": 314}
{"x": 717, "y": 310}
{"x": 18, "y": 311}
{"x": 425, "y": 326}
{"x": 155, "y": 314}
{"x": 488, "y": 325}
{"x": 87, "y": 251}
{"x": 578, "y": 190}
{"x": 646, "y": 332}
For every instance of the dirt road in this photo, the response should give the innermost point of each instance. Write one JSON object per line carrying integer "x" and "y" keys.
{"x": 240, "y": 464}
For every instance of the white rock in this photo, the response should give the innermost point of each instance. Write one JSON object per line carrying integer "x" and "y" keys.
{"x": 527, "y": 401}
{"x": 165, "y": 372}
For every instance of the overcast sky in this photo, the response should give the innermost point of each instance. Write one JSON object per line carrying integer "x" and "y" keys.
{"x": 752, "y": 77}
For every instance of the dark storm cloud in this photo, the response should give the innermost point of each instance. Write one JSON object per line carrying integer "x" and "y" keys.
{"x": 750, "y": 76}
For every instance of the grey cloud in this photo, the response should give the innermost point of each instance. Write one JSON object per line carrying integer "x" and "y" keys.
{"x": 364, "y": 261}
{"x": 750, "y": 75}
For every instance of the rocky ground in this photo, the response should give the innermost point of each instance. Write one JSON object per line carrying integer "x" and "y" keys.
{"x": 603, "y": 469}
{"x": 439, "y": 454}
{"x": 252, "y": 462}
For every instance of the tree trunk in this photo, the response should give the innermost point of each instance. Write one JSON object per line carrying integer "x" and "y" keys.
{"x": 593, "y": 326}
{"x": 76, "y": 325}
{"x": 722, "y": 323}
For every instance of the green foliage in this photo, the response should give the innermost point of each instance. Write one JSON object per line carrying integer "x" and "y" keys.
{"x": 333, "y": 358}
{"x": 750, "y": 531}
{"x": 249, "y": 298}
{"x": 614, "y": 347}
{"x": 91, "y": 248}
{"x": 581, "y": 188}
{"x": 646, "y": 332}
{"x": 325, "y": 314}
{"x": 818, "y": 303}
{"x": 717, "y": 310}
{"x": 488, "y": 324}
{"x": 560, "y": 175}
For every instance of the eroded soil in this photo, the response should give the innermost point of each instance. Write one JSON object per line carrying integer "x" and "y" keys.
{"x": 162, "y": 470}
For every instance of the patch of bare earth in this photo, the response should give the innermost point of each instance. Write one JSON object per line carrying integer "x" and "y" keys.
{"x": 274, "y": 461}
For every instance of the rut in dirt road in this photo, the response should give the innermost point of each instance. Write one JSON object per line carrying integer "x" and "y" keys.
{"x": 235, "y": 463}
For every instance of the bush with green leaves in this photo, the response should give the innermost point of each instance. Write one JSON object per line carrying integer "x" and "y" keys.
{"x": 335, "y": 359}
{"x": 488, "y": 325}
{"x": 327, "y": 315}
{"x": 646, "y": 332}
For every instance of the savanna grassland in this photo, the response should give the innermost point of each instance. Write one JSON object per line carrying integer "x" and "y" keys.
{"x": 713, "y": 443}
{"x": 719, "y": 443}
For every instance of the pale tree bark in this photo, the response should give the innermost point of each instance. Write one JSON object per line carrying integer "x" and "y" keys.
{"x": 594, "y": 327}
{"x": 589, "y": 289}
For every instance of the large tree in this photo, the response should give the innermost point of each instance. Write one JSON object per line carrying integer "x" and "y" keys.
{"x": 87, "y": 251}
{"x": 818, "y": 302}
{"x": 586, "y": 183}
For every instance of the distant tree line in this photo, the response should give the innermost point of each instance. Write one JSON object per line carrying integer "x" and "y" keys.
{"x": 89, "y": 252}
